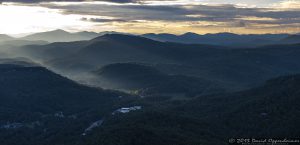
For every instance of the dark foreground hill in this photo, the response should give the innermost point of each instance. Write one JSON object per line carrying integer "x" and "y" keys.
{"x": 38, "y": 106}
{"x": 269, "y": 111}
{"x": 44, "y": 108}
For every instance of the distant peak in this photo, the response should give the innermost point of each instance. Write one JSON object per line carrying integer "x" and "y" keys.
{"x": 223, "y": 33}
{"x": 117, "y": 36}
{"x": 123, "y": 38}
{"x": 110, "y": 35}
{"x": 4, "y": 36}
{"x": 149, "y": 34}
{"x": 85, "y": 32}
{"x": 293, "y": 37}
{"x": 190, "y": 33}
{"x": 59, "y": 31}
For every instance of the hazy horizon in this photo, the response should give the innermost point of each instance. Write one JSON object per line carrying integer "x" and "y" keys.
{"x": 28, "y": 34}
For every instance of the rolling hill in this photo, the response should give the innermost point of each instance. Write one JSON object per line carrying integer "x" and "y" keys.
{"x": 41, "y": 107}
{"x": 291, "y": 39}
{"x": 5, "y": 37}
{"x": 226, "y": 39}
{"x": 18, "y": 42}
{"x": 146, "y": 80}
{"x": 60, "y": 36}
{"x": 234, "y": 68}
{"x": 268, "y": 111}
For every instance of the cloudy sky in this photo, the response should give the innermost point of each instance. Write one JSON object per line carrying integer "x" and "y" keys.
{"x": 150, "y": 16}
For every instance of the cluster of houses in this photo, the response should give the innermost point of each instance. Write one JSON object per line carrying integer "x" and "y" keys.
{"x": 16, "y": 125}
{"x": 59, "y": 115}
{"x": 13, "y": 125}
{"x": 127, "y": 109}
{"x": 99, "y": 122}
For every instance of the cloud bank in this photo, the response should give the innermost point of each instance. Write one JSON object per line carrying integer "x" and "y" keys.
{"x": 181, "y": 15}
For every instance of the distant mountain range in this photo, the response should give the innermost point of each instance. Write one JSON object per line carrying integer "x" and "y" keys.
{"x": 226, "y": 39}
{"x": 64, "y": 36}
{"x": 56, "y": 36}
{"x": 229, "y": 67}
{"x": 60, "y": 36}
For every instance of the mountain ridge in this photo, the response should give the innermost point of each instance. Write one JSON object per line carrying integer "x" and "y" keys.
{"x": 227, "y": 39}
{"x": 4, "y": 37}
{"x": 207, "y": 61}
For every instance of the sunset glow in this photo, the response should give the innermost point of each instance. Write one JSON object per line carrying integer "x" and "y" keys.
{"x": 178, "y": 16}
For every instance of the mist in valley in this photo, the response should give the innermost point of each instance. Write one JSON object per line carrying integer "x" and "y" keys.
{"x": 108, "y": 85}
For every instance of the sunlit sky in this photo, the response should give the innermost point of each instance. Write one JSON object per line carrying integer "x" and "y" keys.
{"x": 19, "y": 17}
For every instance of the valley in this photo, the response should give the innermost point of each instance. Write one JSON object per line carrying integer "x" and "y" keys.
{"x": 121, "y": 89}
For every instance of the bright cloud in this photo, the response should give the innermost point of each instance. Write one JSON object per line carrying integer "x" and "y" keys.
{"x": 144, "y": 16}
{"x": 27, "y": 19}
{"x": 288, "y": 4}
